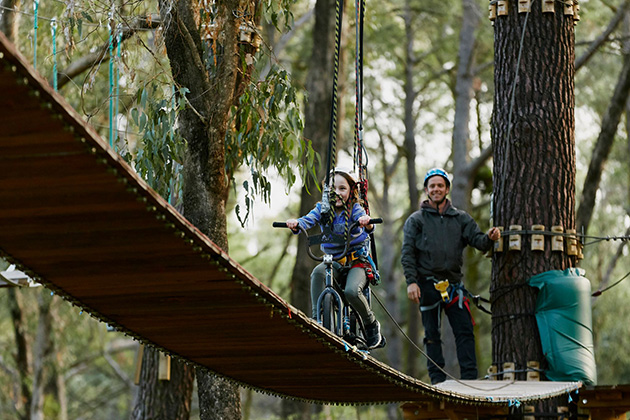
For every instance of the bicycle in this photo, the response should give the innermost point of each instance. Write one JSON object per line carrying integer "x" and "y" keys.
{"x": 333, "y": 310}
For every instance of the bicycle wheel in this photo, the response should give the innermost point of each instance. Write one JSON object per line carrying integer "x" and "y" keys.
{"x": 329, "y": 315}
{"x": 357, "y": 332}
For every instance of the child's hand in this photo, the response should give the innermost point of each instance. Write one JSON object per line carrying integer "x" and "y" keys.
{"x": 364, "y": 222}
{"x": 293, "y": 224}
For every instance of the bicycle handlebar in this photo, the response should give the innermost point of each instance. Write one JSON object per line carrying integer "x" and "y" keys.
{"x": 375, "y": 221}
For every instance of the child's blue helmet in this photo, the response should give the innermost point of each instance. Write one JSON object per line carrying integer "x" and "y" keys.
{"x": 439, "y": 172}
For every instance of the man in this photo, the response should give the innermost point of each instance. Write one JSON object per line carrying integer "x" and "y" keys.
{"x": 432, "y": 256}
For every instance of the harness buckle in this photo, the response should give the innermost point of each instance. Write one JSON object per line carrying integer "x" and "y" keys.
{"x": 349, "y": 258}
{"x": 442, "y": 287}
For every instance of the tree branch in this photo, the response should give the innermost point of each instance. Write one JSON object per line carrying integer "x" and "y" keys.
{"x": 88, "y": 61}
{"x": 603, "y": 146}
{"x": 601, "y": 39}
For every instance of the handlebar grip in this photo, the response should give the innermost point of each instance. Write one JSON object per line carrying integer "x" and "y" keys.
{"x": 279, "y": 224}
{"x": 376, "y": 221}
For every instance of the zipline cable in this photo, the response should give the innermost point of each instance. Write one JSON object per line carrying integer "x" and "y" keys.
{"x": 512, "y": 95}
{"x": 422, "y": 352}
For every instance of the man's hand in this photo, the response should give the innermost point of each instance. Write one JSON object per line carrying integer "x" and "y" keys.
{"x": 494, "y": 234}
{"x": 413, "y": 292}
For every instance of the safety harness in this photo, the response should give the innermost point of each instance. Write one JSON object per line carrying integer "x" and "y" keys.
{"x": 454, "y": 293}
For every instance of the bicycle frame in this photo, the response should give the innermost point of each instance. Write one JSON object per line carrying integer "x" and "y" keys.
{"x": 330, "y": 289}
{"x": 342, "y": 326}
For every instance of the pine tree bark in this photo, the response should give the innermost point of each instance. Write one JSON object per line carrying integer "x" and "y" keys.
{"x": 534, "y": 173}
{"x": 157, "y": 399}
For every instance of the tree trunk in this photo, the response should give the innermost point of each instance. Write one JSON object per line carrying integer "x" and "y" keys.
{"x": 203, "y": 123}
{"x": 158, "y": 399}
{"x": 23, "y": 400}
{"x": 534, "y": 175}
{"x": 9, "y": 20}
{"x": 42, "y": 348}
{"x": 462, "y": 182}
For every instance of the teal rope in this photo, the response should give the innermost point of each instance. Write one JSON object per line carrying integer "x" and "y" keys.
{"x": 53, "y": 29}
{"x": 174, "y": 179}
{"x": 111, "y": 79}
{"x": 35, "y": 12}
{"x": 117, "y": 78}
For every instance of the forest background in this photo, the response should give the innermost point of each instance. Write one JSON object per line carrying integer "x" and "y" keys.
{"x": 412, "y": 54}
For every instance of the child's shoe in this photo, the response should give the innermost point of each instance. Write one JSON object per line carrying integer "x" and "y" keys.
{"x": 374, "y": 337}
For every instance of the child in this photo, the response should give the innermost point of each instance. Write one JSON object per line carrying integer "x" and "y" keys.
{"x": 344, "y": 201}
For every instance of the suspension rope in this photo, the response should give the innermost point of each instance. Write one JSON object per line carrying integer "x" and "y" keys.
{"x": 110, "y": 27}
{"x": 332, "y": 135}
{"x": 359, "y": 148}
{"x": 512, "y": 95}
{"x": 598, "y": 292}
{"x": 53, "y": 30}
{"x": 327, "y": 214}
{"x": 35, "y": 26}
{"x": 423, "y": 353}
{"x": 119, "y": 33}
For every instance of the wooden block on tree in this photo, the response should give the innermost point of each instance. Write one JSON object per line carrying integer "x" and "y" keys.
{"x": 532, "y": 371}
{"x": 508, "y": 371}
{"x": 164, "y": 372}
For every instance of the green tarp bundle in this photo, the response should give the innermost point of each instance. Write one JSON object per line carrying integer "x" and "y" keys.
{"x": 563, "y": 314}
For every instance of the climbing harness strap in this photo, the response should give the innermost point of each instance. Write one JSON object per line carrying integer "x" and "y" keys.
{"x": 362, "y": 258}
{"x": 455, "y": 293}
{"x": 442, "y": 287}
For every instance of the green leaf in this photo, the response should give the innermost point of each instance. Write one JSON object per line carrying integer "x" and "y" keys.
{"x": 87, "y": 16}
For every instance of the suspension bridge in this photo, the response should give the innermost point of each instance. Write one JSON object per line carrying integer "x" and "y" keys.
{"x": 76, "y": 218}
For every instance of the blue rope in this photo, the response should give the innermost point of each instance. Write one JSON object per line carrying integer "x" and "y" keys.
{"x": 111, "y": 78}
{"x": 35, "y": 12}
{"x": 53, "y": 29}
{"x": 117, "y": 78}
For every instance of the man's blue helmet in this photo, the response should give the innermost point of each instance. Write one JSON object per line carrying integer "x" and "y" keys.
{"x": 437, "y": 171}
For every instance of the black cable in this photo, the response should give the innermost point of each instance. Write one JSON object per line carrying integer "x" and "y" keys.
{"x": 414, "y": 345}
{"x": 599, "y": 292}
{"x": 332, "y": 135}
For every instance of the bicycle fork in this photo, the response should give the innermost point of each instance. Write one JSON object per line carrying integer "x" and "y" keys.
{"x": 329, "y": 289}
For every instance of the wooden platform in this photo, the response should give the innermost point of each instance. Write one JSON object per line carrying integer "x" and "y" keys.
{"x": 76, "y": 218}
{"x": 609, "y": 402}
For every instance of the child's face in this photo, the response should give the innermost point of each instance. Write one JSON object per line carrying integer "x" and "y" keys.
{"x": 342, "y": 189}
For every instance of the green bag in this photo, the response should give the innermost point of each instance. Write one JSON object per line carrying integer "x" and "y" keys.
{"x": 563, "y": 314}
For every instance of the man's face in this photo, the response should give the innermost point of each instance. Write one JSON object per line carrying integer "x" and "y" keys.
{"x": 436, "y": 189}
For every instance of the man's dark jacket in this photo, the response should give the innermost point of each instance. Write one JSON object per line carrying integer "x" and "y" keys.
{"x": 434, "y": 243}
